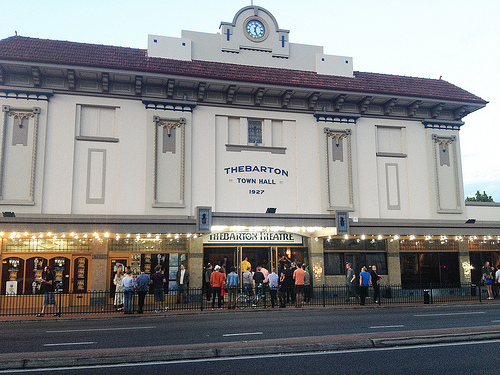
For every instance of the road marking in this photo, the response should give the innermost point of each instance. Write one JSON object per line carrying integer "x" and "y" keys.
{"x": 449, "y": 314}
{"x": 395, "y": 326}
{"x": 239, "y": 358}
{"x": 72, "y": 343}
{"x": 100, "y": 329}
{"x": 243, "y": 334}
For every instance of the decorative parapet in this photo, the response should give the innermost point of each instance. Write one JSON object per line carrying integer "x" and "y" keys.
{"x": 443, "y": 125}
{"x": 332, "y": 117}
{"x": 169, "y": 106}
{"x": 9, "y": 93}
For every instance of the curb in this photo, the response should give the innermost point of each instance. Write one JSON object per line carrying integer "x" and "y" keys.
{"x": 205, "y": 351}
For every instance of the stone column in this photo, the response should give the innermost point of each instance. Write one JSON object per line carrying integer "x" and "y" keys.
{"x": 316, "y": 261}
{"x": 196, "y": 262}
{"x": 464, "y": 261}
{"x": 393, "y": 263}
{"x": 99, "y": 265}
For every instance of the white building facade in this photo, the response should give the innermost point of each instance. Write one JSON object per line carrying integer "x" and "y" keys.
{"x": 216, "y": 147}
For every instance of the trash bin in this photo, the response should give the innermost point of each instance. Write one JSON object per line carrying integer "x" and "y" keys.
{"x": 388, "y": 292}
{"x": 427, "y": 296}
{"x": 473, "y": 291}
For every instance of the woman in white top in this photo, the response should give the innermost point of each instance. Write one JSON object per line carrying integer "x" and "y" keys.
{"x": 119, "y": 288}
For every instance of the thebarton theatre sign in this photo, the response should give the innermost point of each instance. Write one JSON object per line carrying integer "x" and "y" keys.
{"x": 253, "y": 237}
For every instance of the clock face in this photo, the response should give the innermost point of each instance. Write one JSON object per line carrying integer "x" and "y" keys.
{"x": 255, "y": 29}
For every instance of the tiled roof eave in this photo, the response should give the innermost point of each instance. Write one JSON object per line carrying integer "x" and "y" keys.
{"x": 136, "y": 61}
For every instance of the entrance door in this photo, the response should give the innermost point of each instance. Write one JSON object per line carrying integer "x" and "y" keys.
{"x": 257, "y": 256}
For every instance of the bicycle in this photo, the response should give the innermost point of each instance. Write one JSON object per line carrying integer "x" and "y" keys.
{"x": 242, "y": 301}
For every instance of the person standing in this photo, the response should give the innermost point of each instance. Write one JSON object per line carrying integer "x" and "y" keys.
{"x": 364, "y": 283}
{"x": 245, "y": 264}
{"x": 350, "y": 283}
{"x": 142, "y": 282}
{"x": 248, "y": 282}
{"x": 288, "y": 284}
{"x": 273, "y": 286}
{"x": 291, "y": 281}
{"x": 182, "y": 280}
{"x": 158, "y": 281}
{"x": 117, "y": 281}
{"x": 497, "y": 282}
{"x": 307, "y": 284}
{"x": 487, "y": 278}
{"x": 258, "y": 277}
{"x": 128, "y": 292}
{"x": 376, "y": 288}
{"x": 298, "y": 276}
{"x": 208, "y": 288}
{"x": 232, "y": 282}
{"x": 282, "y": 289}
{"x": 265, "y": 283}
{"x": 49, "y": 298}
{"x": 216, "y": 281}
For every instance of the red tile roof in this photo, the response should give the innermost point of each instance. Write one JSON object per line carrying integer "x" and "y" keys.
{"x": 35, "y": 50}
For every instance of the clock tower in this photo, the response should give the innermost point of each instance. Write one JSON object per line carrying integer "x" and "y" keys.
{"x": 254, "y": 28}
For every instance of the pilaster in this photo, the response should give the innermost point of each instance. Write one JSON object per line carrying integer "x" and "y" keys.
{"x": 464, "y": 261}
{"x": 196, "y": 263}
{"x": 99, "y": 268}
{"x": 316, "y": 261}
{"x": 393, "y": 263}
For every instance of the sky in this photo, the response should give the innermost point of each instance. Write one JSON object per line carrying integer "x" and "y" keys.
{"x": 456, "y": 39}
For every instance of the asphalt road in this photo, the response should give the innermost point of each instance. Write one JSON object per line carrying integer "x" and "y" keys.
{"x": 236, "y": 326}
{"x": 453, "y": 359}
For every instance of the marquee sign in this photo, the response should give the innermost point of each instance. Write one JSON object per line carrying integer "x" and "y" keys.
{"x": 275, "y": 238}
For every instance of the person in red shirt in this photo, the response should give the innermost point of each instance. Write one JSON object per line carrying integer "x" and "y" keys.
{"x": 217, "y": 279}
{"x": 298, "y": 276}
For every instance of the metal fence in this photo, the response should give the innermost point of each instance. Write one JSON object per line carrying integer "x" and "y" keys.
{"x": 101, "y": 302}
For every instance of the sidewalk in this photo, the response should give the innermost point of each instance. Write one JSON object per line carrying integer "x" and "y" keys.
{"x": 233, "y": 349}
{"x": 117, "y": 315}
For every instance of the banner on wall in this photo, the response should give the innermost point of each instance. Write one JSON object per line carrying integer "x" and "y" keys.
{"x": 11, "y": 288}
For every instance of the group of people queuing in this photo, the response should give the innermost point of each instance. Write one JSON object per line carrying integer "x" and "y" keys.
{"x": 290, "y": 283}
{"x": 490, "y": 277}
{"x": 365, "y": 279}
{"x": 126, "y": 285}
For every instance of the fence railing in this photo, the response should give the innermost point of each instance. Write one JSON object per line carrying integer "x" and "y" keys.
{"x": 102, "y": 302}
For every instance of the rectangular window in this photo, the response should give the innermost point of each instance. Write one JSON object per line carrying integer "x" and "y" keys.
{"x": 96, "y": 121}
{"x": 255, "y": 132}
{"x": 391, "y": 141}
{"x": 423, "y": 269}
{"x": 335, "y": 262}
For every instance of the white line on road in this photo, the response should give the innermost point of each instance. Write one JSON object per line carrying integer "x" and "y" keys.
{"x": 449, "y": 314}
{"x": 100, "y": 329}
{"x": 395, "y": 326}
{"x": 72, "y": 343}
{"x": 231, "y": 359}
{"x": 243, "y": 334}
